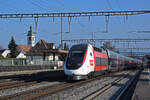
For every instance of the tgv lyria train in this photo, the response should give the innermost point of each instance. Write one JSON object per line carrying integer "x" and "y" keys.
{"x": 84, "y": 61}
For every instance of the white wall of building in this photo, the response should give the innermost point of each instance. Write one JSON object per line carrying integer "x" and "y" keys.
{"x": 5, "y": 53}
{"x": 21, "y": 55}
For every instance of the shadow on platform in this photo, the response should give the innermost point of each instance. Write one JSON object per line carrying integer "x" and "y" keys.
{"x": 50, "y": 76}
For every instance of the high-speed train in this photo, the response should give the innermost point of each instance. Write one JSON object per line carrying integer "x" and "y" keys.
{"x": 84, "y": 61}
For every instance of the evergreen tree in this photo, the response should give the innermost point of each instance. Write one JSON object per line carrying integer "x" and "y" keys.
{"x": 66, "y": 47}
{"x": 13, "y": 48}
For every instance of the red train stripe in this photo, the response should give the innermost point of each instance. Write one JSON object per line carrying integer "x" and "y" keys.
{"x": 100, "y": 68}
{"x": 99, "y": 54}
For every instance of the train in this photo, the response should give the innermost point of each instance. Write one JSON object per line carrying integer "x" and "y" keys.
{"x": 85, "y": 61}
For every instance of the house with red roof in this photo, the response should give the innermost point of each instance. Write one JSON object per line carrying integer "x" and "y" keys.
{"x": 44, "y": 52}
{"x": 4, "y": 53}
{"x": 23, "y": 49}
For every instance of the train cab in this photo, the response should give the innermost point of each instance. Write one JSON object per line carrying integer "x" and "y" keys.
{"x": 80, "y": 62}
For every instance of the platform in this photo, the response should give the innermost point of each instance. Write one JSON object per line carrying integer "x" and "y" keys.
{"x": 142, "y": 90}
{"x": 51, "y": 73}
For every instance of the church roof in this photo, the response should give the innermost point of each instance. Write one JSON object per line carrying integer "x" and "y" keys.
{"x": 24, "y": 48}
{"x": 42, "y": 47}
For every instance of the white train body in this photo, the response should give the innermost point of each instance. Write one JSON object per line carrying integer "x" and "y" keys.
{"x": 84, "y": 60}
{"x": 86, "y": 66}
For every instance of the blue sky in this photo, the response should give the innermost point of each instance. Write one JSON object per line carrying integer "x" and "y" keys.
{"x": 119, "y": 26}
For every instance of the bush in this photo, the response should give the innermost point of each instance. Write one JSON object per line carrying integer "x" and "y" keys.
{"x": 1, "y": 57}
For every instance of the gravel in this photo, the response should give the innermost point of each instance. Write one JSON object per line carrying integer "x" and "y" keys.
{"x": 24, "y": 88}
{"x": 112, "y": 92}
{"x": 80, "y": 92}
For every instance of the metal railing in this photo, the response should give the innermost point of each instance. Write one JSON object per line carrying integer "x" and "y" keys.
{"x": 23, "y": 62}
{"x": 12, "y": 62}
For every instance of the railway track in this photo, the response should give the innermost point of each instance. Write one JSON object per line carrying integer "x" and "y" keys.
{"x": 51, "y": 89}
{"x": 48, "y": 90}
{"x": 59, "y": 89}
{"x": 20, "y": 82}
{"x": 17, "y": 84}
{"x": 122, "y": 94}
{"x": 68, "y": 86}
{"x": 14, "y": 83}
{"x": 29, "y": 92}
{"x": 4, "y": 80}
{"x": 8, "y": 83}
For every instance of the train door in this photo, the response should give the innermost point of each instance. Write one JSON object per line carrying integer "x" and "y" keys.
{"x": 117, "y": 63}
{"x": 90, "y": 60}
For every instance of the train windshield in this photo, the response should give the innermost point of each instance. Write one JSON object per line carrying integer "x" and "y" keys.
{"x": 75, "y": 57}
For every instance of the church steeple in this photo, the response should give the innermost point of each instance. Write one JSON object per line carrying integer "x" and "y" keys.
{"x": 31, "y": 37}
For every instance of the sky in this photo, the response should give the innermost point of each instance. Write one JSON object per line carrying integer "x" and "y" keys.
{"x": 80, "y": 28}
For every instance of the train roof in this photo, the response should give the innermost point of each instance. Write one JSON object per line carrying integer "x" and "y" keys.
{"x": 79, "y": 47}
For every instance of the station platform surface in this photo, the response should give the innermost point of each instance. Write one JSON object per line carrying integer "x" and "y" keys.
{"x": 142, "y": 90}
{"x": 57, "y": 72}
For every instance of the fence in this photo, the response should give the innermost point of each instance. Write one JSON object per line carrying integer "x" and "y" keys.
{"x": 50, "y": 63}
{"x": 24, "y": 62}
{"x": 12, "y": 62}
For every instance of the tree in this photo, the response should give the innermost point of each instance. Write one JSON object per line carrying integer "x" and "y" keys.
{"x": 62, "y": 57}
{"x": 13, "y": 48}
{"x": 66, "y": 47}
{"x": 109, "y": 46}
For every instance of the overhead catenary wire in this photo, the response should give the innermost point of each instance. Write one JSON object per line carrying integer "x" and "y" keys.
{"x": 81, "y": 25}
{"x": 80, "y": 14}
{"x": 109, "y": 4}
{"x": 118, "y": 4}
{"x": 36, "y": 4}
{"x": 10, "y": 6}
{"x": 59, "y": 2}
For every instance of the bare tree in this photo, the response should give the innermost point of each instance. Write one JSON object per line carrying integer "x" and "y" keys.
{"x": 1, "y": 47}
{"x": 109, "y": 46}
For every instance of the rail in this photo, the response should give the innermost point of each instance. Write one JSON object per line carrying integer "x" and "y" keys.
{"x": 123, "y": 93}
{"x": 61, "y": 88}
{"x": 127, "y": 91}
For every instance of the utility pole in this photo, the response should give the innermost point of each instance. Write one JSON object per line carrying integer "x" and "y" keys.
{"x": 92, "y": 35}
{"x": 93, "y": 41}
{"x": 61, "y": 32}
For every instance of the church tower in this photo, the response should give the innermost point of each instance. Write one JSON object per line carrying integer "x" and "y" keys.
{"x": 31, "y": 37}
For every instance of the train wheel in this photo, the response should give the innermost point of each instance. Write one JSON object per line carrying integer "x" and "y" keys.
{"x": 91, "y": 75}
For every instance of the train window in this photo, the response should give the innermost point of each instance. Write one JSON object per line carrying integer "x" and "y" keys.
{"x": 91, "y": 54}
{"x": 101, "y": 61}
{"x": 97, "y": 49}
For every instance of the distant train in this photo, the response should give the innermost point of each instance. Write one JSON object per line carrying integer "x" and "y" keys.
{"x": 84, "y": 61}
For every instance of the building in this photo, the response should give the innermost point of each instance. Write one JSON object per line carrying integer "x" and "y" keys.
{"x": 4, "y": 53}
{"x": 44, "y": 52}
{"x": 23, "y": 49}
{"x": 31, "y": 37}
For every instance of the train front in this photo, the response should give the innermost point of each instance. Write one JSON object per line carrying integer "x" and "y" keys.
{"x": 75, "y": 66}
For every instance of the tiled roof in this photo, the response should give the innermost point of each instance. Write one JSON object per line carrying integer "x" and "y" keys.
{"x": 24, "y": 48}
{"x": 43, "y": 45}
